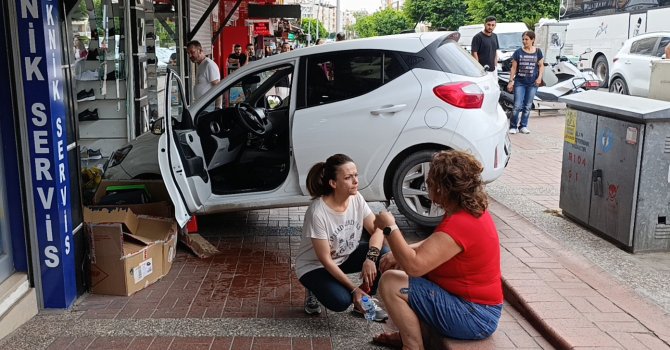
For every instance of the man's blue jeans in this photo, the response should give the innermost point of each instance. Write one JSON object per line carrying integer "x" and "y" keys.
{"x": 523, "y": 101}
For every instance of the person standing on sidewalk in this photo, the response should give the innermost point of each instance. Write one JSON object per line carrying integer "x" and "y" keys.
{"x": 207, "y": 72}
{"x": 485, "y": 45}
{"x": 525, "y": 78}
{"x": 331, "y": 245}
{"x": 451, "y": 280}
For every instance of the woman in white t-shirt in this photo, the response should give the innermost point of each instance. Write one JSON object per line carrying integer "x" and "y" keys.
{"x": 331, "y": 245}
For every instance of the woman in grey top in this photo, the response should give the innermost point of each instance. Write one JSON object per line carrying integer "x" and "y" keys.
{"x": 331, "y": 245}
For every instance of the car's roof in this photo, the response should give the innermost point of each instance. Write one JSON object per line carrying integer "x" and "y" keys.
{"x": 410, "y": 42}
{"x": 649, "y": 35}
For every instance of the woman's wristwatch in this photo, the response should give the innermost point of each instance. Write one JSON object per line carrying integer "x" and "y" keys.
{"x": 388, "y": 229}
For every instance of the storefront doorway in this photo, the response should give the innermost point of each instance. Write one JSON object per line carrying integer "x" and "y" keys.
{"x": 6, "y": 262}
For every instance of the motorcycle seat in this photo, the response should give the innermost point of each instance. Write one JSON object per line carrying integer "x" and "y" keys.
{"x": 545, "y": 96}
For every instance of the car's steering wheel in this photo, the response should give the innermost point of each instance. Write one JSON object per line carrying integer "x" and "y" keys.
{"x": 250, "y": 119}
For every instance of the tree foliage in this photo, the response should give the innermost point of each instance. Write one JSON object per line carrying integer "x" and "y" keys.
{"x": 449, "y": 14}
{"x": 309, "y": 26}
{"x": 528, "y": 11}
{"x": 386, "y": 22}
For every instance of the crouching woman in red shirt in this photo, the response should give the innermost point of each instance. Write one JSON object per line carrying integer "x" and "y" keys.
{"x": 451, "y": 280}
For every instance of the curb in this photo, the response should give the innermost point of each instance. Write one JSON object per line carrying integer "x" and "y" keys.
{"x": 515, "y": 299}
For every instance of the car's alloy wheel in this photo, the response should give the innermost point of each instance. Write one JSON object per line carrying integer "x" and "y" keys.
{"x": 619, "y": 86}
{"x": 602, "y": 70}
{"x": 411, "y": 192}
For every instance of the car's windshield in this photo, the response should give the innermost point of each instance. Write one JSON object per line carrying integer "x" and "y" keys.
{"x": 509, "y": 41}
{"x": 458, "y": 61}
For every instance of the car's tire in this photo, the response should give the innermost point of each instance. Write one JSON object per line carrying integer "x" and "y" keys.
{"x": 410, "y": 190}
{"x": 602, "y": 70}
{"x": 619, "y": 86}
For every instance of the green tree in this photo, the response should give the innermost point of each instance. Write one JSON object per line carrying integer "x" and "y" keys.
{"x": 386, "y": 22}
{"x": 309, "y": 26}
{"x": 449, "y": 14}
{"x": 528, "y": 11}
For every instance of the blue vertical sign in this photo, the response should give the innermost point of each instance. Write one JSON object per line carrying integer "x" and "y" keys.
{"x": 41, "y": 67}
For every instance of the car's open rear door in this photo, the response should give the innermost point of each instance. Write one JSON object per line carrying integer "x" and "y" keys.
{"x": 180, "y": 155}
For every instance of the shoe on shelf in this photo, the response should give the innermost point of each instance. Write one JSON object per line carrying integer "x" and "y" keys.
{"x": 91, "y": 154}
{"x": 112, "y": 75}
{"x": 88, "y": 115}
{"x": 380, "y": 314}
{"x": 312, "y": 305}
{"x": 525, "y": 130}
{"x": 513, "y": 130}
{"x": 88, "y": 75}
{"x": 86, "y": 95}
{"x": 151, "y": 35}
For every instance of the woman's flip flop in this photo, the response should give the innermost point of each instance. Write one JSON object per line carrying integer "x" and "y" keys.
{"x": 391, "y": 340}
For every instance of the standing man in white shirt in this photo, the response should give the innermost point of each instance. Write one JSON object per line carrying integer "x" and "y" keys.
{"x": 207, "y": 72}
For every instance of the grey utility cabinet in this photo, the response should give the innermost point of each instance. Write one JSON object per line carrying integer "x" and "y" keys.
{"x": 615, "y": 177}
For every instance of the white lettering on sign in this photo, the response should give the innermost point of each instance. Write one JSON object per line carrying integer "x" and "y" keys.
{"x": 43, "y": 142}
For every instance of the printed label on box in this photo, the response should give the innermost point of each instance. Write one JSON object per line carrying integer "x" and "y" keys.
{"x": 144, "y": 269}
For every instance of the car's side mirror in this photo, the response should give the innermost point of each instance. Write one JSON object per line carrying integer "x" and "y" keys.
{"x": 273, "y": 101}
{"x": 588, "y": 50}
{"x": 158, "y": 126}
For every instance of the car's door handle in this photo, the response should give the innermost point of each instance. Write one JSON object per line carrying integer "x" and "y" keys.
{"x": 388, "y": 109}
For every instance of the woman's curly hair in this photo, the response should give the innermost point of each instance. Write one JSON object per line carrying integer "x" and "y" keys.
{"x": 455, "y": 179}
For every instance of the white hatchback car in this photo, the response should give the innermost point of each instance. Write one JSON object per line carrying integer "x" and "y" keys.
{"x": 387, "y": 102}
{"x": 631, "y": 69}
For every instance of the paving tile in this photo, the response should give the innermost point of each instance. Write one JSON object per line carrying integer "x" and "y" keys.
{"x": 161, "y": 343}
{"x": 81, "y": 343}
{"x": 111, "y": 343}
{"x": 222, "y": 343}
{"x": 60, "y": 343}
{"x": 140, "y": 343}
{"x": 242, "y": 343}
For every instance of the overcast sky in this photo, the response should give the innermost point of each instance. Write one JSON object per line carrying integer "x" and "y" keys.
{"x": 370, "y": 5}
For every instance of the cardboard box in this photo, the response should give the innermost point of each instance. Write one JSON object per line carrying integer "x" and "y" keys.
{"x": 128, "y": 252}
{"x": 160, "y": 203}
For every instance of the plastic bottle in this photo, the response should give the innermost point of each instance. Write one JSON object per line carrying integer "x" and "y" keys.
{"x": 369, "y": 307}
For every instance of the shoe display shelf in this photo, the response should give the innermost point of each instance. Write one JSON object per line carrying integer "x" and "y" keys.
{"x": 109, "y": 131}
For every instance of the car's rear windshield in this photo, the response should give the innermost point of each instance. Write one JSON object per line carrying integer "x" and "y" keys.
{"x": 458, "y": 61}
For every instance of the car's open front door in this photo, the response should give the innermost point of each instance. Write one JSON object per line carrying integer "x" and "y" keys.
{"x": 180, "y": 155}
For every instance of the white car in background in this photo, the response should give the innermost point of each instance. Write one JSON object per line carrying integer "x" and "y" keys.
{"x": 387, "y": 102}
{"x": 631, "y": 70}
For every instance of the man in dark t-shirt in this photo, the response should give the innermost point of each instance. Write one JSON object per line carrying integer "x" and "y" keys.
{"x": 485, "y": 45}
{"x": 236, "y": 59}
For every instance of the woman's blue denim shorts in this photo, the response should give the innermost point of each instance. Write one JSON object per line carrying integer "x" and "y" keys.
{"x": 451, "y": 315}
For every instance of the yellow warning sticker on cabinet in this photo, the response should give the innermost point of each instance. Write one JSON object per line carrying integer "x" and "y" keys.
{"x": 570, "y": 126}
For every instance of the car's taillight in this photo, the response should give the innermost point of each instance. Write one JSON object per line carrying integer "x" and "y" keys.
{"x": 462, "y": 94}
{"x": 592, "y": 84}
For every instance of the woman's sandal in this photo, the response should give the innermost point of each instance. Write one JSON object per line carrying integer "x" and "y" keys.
{"x": 391, "y": 340}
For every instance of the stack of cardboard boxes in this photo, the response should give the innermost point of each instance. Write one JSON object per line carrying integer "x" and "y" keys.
{"x": 131, "y": 245}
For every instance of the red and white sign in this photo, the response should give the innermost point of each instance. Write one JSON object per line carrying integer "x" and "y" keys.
{"x": 262, "y": 28}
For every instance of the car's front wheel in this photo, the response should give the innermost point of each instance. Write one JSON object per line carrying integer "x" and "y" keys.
{"x": 411, "y": 192}
{"x": 619, "y": 86}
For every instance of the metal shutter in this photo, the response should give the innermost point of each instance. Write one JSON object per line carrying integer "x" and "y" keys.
{"x": 204, "y": 35}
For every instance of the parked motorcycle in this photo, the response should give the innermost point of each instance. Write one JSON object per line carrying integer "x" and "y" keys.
{"x": 564, "y": 77}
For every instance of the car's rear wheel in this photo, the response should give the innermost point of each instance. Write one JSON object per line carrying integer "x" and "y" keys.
{"x": 411, "y": 192}
{"x": 619, "y": 86}
{"x": 602, "y": 70}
